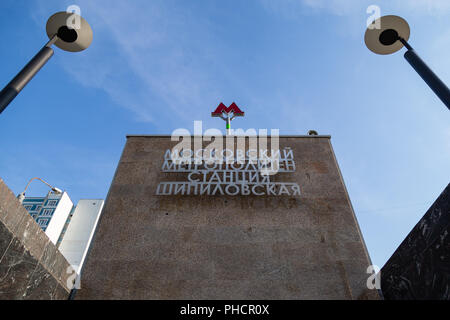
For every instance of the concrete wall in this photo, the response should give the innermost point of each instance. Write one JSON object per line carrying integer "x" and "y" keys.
{"x": 420, "y": 267}
{"x": 77, "y": 239}
{"x": 149, "y": 246}
{"x": 30, "y": 265}
{"x": 59, "y": 218}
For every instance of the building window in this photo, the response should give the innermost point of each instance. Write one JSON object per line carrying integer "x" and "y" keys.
{"x": 28, "y": 208}
{"x": 47, "y": 212}
{"x": 43, "y": 222}
{"x": 38, "y": 208}
{"x": 52, "y": 203}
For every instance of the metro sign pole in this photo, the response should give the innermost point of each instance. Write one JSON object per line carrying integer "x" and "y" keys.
{"x": 227, "y": 114}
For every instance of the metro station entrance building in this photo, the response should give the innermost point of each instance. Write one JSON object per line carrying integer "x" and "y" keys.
{"x": 248, "y": 230}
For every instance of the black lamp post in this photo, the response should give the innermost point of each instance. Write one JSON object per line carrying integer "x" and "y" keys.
{"x": 392, "y": 35}
{"x": 63, "y": 34}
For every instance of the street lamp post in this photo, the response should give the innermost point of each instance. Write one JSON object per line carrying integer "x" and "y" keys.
{"x": 63, "y": 34}
{"x": 392, "y": 35}
{"x": 21, "y": 196}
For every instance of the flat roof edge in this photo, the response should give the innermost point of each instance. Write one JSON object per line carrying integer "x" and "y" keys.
{"x": 168, "y": 136}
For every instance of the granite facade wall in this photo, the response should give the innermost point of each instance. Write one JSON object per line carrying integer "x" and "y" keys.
{"x": 149, "y": 246}
{"x": 420, "y": 267}
{"x": 31, "y": 267}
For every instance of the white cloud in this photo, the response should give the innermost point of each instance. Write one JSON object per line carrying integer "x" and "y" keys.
{"x": 152, "y": 58}
{"x": 294, "y": 8}
{"x": 338, "y": 7}
{"x": 424, "y": 7}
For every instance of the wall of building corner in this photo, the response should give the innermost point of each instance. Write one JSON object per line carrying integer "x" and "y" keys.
{"x": 31, "y": 267}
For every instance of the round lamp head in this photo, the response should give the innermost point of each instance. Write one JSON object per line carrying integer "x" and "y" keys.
{"x": 74, "y": 33}
{"x": 385, "y": 39}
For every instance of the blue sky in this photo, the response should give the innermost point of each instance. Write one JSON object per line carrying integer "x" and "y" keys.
{"x": 296, "y": 65}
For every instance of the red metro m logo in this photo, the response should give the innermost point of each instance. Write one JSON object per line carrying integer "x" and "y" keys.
{"x": 225, "y": 113}
{"x": 233, "y": 108}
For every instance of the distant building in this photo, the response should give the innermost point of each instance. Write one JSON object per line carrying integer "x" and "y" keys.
{"x": 189, "y": 230}
{"x": 76, "y": 238}
{"x": 69, "y": 227}
{"x": 50, "y": 212}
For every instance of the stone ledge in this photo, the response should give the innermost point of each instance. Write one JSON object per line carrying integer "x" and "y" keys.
{"x": 31, "y": 267}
